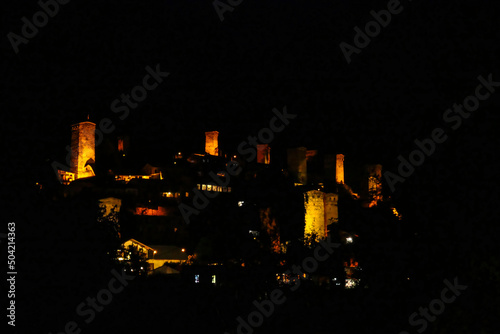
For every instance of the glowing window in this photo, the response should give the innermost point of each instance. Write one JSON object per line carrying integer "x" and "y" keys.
{"x": 209, "y": 187}
{"x": 214, "y": 279}
{"x": 203, "y": 187}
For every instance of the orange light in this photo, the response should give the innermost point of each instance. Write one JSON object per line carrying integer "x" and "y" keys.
{"x": 183, "y": 250}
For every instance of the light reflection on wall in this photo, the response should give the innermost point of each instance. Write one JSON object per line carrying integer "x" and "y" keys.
{"x": 314, "y": 205}
{"x": 82, "y": 149}
{"x": 212, "y": 142}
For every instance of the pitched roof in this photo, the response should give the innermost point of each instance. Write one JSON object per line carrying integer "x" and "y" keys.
{"x": 165, "y": 252}
{"x": 140, "y": 244}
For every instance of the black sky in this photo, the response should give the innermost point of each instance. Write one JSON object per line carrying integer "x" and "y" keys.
{"x": 229, "y": 75}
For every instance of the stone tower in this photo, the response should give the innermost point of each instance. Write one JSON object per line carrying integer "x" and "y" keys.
{"x": 331, "y": 208}
{"x": 339, "y": 169}
{"x": 314, "y": 205}
{"x": 263, "y": 154}
{"x": 82, "y": 149}
{"x": 212, "y": 142}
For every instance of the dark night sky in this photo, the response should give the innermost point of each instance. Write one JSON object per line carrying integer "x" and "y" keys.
{"x": 229, "y": 75}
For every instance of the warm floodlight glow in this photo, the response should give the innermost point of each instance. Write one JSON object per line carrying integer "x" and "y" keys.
{"x": 315, "y": 224}
{"x": 212, "y": 142}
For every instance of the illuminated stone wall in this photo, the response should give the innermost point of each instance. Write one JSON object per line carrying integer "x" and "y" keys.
{"x": 339, "y": 169}
{"x": 331, "y": 208}
{"x": 110, "y": 205}
{"x": 314, "y": 205}
{"x": 373, "y": 190}
{"x": 82, "y": 149}
{"x": 212, "y": 142}
{"x": 374, "y": 178}
{"x": 297, "y": 164}
{"x": 145, "y": 211}
{"x": 263, "y": 154}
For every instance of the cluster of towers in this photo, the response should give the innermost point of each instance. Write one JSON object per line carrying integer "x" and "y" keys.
{"x": 321, "y": 208}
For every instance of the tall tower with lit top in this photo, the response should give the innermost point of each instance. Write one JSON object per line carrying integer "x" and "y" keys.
{"x": 315, "y": 224}
{"x": 339, "y": 169}
{"x": 82, "y": 149}
{"x": 212, "y": 142}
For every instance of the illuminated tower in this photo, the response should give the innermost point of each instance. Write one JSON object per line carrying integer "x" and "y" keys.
{"x": 315, "y": 224}
{"x": 331, "y": 208}
{"x": 263, "y": 154}
{"x": 212, "y": 142}
{"x": 82, "y": 149}
{"x": 339, "y": 169}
